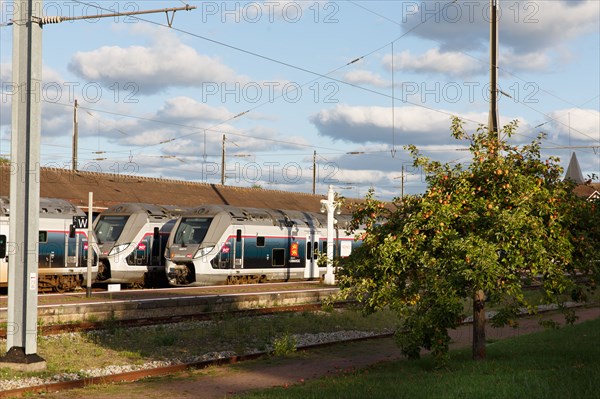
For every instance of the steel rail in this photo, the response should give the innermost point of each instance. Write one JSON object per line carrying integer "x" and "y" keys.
{"x": 132, "y": 376}
{"x": 149, "y": 321}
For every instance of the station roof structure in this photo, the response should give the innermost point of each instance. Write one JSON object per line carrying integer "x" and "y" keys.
{"x": 112, "y": 189}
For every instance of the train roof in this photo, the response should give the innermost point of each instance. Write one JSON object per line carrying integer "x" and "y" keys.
{"x": 154, "y": 212}
{"x": 275, "y": 217}
{"x": 49, "y": 207}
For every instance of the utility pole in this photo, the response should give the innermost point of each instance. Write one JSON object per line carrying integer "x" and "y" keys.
{"x": 21, "y": 331}
{"x": 402, "y": 185}
{"x": 91, "y": 243}
{"x": 401, "y": 177}
{"x": 314, "y": 172}
{"x": 75, "y": 136}
{"x": 493, "y": 116}
{"x": 223, "y": 162}
{"x": 479, "y": 296}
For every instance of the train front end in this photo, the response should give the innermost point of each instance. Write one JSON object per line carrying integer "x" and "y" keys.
{"x": 132, "y": 240}
{"x": 191, "y": 248}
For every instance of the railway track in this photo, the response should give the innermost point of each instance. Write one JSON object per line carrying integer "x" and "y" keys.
{"x": 101, "y": 325}
{"x": 137, "y": 375}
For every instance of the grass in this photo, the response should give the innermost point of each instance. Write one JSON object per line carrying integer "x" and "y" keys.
{"x": 560, "y": 364}
{"x": 78, "y": 352}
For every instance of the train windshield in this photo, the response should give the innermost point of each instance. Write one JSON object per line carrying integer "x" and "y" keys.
{"x": 192, "y": 230}
{"x": 109, "y": 228}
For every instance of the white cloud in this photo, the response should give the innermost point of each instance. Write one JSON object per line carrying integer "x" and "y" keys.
{"x": 536, "y": 61}
{"x": 166, "y": 62}
{"x": 183, "y": 109}
{"x": 427, "y": 128}
{"x": 459, "y": 64}
{"x": 524, "y": 25}
{"x": 577, "y": 124}
{"x": 363, "y": 77}
{"x": 412, "y": 125}
{"x": 434, "y": 61}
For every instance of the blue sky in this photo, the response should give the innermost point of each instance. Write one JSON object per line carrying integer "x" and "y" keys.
{"x": 278, "y": 79}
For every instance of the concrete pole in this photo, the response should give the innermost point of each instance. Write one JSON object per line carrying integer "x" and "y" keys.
{"x": 493, "y": 114}
{"x": 21, "y": 340}
{"x": 75, "y": 137}
{"x": 314, "y": 186}
{"x": 223, "y": 163}
{"x": 90, "y": 252}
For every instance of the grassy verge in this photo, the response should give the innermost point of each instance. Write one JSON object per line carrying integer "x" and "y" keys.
{"x": 78, "y": 353}
{"x": 561, "y": 364}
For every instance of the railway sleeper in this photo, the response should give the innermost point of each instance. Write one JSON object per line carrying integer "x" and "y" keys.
{"x": 50, "y": 283}
{"x": 246, "y": 279}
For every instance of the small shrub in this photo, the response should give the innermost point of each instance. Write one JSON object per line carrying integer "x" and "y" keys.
{"x": 284, "y": 345}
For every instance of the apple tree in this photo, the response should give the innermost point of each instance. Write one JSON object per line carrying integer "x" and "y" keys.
{"x": 482, "y": 234}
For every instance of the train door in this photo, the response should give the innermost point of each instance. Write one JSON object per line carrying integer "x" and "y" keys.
{"x": 75, "y": 249}
{"x": 3, "y": 252}
{"x": 238, "y": 247}
{"x": 311, "y": 270}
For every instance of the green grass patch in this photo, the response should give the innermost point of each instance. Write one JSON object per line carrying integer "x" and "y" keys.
{"x": 116, "y": 345}
{"x": 559, "y": 364}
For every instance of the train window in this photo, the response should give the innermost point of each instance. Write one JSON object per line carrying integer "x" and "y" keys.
{"x": 192, "y": 230}
{"x": 324, "y": 248}
{"x": 316, "y": 250}
{"x": 238, "y": 236}
{"x": 308, "y": 249}
{"x": 43, "y": 236}
{"x": 109, "y": 228}
{"x": 260, "y": 241}
{"x": 278, "y": 257}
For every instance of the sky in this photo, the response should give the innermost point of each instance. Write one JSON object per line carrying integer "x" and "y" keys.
{"x": 283, "y": 85}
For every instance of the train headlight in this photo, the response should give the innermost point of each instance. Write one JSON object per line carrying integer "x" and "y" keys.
{"x": 203, "y": 252}
{"x": 118, "y": 249}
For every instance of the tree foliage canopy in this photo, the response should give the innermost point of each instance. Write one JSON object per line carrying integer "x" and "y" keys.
{"x": 500, "y": 224}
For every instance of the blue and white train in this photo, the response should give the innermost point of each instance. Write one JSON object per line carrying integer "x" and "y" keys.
{"x": 218, "y": 244}
{"x": 132, "y": 239}
{"x": 62, "y": 260}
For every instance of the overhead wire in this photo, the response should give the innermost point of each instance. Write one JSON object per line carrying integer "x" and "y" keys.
{"x": 487, "y": 64}
{"x": 319, "y": 76}
{"x": 483, "y": 61}
{"x": 296, "y": 67}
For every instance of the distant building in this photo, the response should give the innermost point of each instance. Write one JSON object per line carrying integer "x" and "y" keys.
{"x": 574, "y": 171}
{"x": 585, "y": 188}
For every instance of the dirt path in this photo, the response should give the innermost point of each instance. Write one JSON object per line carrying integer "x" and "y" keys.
{"x": 226, "y": 381}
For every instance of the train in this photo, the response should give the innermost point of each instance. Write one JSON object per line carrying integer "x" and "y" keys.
{"x": 63, "y": 251}
{"x": 222, "y": 244}
{"x": 146, "y": 245}
{"x": 132, "y": 238}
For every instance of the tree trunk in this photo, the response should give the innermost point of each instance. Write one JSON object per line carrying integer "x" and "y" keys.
{"x": 479, "y": 325}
